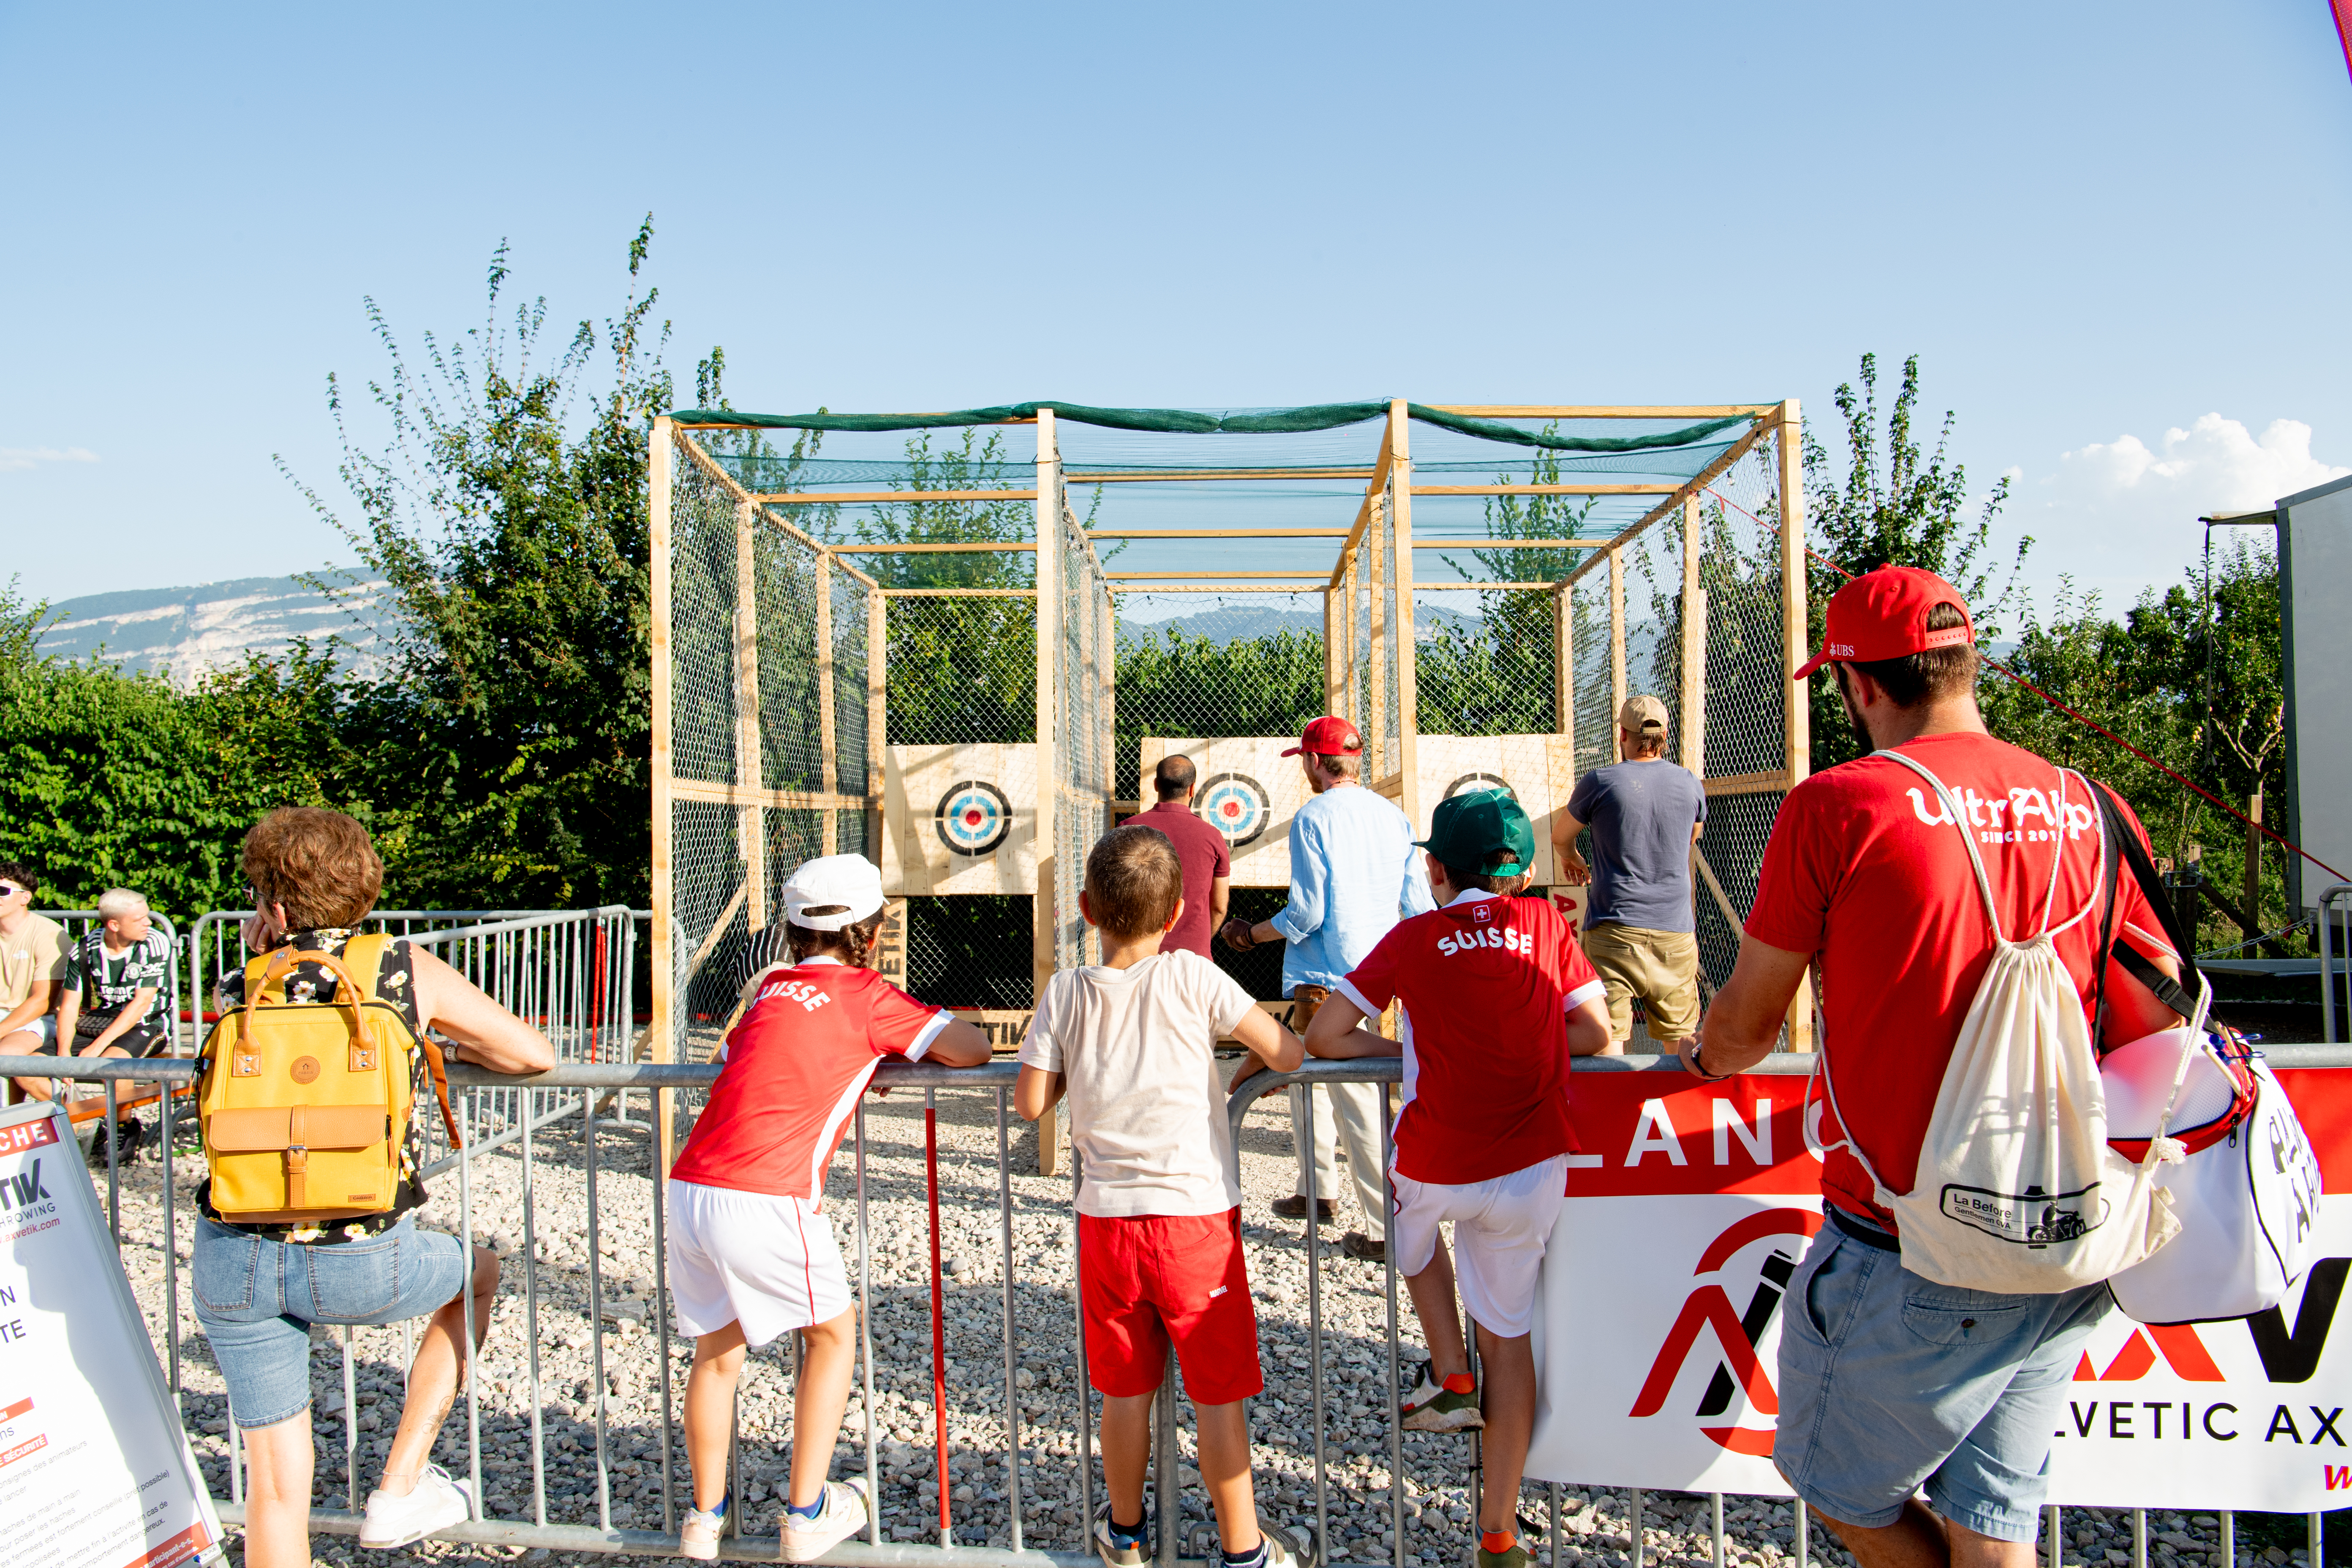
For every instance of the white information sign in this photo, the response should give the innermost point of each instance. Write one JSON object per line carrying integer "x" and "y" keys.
{"x": 95, "y": 1472}
{"x": 1665, "y": 1286}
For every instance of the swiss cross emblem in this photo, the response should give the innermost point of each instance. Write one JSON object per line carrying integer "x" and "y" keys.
{"x": 1482, "y": 914}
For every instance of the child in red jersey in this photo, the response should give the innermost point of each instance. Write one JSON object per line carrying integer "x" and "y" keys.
{"x": 751, "y": 1255}
{"x": 1493, "y": 996}
{"x": 1133, "y": 1039}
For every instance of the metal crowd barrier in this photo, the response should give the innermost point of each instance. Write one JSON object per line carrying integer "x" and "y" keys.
{"x": 563, "y": 1103}
{"x": 2326, "y": 917}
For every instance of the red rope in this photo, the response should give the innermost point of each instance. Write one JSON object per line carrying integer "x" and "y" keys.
{"x": 2080, "y": 719}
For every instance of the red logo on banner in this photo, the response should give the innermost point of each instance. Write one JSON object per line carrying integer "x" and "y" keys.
{"x": 1708, "y": 1307}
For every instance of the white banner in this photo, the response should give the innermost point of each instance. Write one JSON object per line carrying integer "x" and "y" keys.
{"x": 95, "y": 1472}
{"x": 1658, "y": 1327}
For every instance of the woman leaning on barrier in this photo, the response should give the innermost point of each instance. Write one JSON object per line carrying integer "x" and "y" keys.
{"x": 258, "y": 1287}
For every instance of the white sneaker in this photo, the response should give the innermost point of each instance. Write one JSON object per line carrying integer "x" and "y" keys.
{"x": 842, "y": 1515}
{"x": 697, "y": 1537}
{"x": 434, "y": 1503}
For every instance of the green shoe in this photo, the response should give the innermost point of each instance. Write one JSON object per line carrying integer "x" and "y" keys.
{"x": 1114, "y": 1552}
{"x": 1433, "y": 1407}
{"x": 1515, "y": 1556}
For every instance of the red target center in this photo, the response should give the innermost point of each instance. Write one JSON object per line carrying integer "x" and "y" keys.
{"x": 1231, "y": 808}
{"x": 971, "y": 817}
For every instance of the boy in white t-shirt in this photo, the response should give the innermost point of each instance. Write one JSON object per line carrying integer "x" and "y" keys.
{"x": 1132, "y": 1040}
{"x": 1493, "y": 996}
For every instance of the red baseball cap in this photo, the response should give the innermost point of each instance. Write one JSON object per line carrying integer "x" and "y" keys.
{"x": 1883, "y": 614}
{"x": 1329, "y": 737}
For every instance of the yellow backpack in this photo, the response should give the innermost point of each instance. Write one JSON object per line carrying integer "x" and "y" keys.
{"x": 304, "y": 1105}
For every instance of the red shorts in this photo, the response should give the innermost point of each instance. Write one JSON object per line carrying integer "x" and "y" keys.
{"x": 1151, "y": 1279}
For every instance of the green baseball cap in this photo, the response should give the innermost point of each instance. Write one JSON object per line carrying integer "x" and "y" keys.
{"x": 1466, "y": 828}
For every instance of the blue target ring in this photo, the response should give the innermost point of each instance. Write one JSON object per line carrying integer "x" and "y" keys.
{"x": 973, "y": 817}
{"x": 1236, "y": 806}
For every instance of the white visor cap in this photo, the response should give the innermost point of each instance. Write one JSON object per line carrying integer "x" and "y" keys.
{"x": 851, "y": 881}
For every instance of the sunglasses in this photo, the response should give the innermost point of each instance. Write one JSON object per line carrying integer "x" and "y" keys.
{"x": 10, "y": 890}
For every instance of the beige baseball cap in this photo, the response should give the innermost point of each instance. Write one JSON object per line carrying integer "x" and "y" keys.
{"x": 1641, "y": 714}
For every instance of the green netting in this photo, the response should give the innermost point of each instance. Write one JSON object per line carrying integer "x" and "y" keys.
{"x": 1198, "y": 422}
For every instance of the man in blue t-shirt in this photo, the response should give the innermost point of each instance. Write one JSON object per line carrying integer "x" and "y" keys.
{"x": 1640, "y": 926}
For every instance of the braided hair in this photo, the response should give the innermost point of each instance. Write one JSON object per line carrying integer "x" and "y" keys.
{"x": 853, "y": 943}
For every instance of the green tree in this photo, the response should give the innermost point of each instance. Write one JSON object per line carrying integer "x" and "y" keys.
{"x": 508, "y": 508}
{"x": 1891, "y": 503}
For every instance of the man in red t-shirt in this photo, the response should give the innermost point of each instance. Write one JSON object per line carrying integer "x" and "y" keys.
{"x": 1493, "y": 996}
{"x": 1869, "y": 873}
{"x": 1207, "y": 859}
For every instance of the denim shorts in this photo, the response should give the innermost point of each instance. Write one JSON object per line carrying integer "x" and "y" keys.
{"x": 257, "y": 1299}
{"x": 1890, "y": 1383}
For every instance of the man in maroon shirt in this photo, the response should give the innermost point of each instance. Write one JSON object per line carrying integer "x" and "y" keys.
{"x": 1208, "y": 864}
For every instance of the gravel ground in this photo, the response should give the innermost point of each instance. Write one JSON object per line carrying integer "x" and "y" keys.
{"x": 1437, "y": 1478}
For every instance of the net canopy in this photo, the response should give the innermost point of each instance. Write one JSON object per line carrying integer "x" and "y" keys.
{"x": 1476, "y": 587}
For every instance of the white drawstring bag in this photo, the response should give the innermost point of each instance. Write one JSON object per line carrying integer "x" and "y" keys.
{"x": 2017, "y": 1190}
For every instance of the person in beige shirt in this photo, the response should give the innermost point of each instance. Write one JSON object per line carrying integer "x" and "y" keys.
{"x": 32, "y": 963}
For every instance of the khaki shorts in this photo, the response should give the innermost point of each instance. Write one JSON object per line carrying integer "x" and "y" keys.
{"x": 1661, "y": 967}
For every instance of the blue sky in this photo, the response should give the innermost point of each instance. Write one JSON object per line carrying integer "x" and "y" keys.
{"x": 2116, "y": 233}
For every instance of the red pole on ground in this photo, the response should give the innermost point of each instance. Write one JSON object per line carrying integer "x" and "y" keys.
{"x": 938, "y": 1311}
{"x": 596, "y": 1021}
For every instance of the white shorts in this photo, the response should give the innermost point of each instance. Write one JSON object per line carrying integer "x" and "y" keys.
{"x": 766, "y": 1262}
{"x": 1500, "y": 1229}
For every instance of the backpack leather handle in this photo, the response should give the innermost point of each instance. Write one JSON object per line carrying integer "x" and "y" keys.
{"x": 349, "y": 993}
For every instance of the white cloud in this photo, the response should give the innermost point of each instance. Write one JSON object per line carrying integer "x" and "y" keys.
{"x": 2215, "y": 465}
{"x": 12, "y": 458}
{"x": 2120, "y": 516}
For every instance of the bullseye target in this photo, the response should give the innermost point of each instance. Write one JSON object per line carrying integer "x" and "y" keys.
{"x": 1236, "y": 806}
{"x": 973, "y": 817}
{"x": 1469, "y": 782}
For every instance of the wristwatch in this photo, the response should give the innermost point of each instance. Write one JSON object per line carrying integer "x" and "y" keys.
{"x": 1699, "y": 1066}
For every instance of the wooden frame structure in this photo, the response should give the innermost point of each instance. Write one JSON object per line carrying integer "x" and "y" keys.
{"x": 1370, "y": 643}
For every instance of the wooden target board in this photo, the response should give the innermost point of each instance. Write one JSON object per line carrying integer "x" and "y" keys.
{"x": 960, "y": 819}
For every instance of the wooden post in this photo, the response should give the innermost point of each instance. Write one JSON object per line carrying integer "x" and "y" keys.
{"x": 1110, "y": 712}
{"x": 750, "y": 834}
{"x": 1350, "y": 705}
{"x": 1041, "y": 963}
{"x": 1374, "y": 726}
{"x": 1564, "y": 665}
{"x": 1333, "y": 657}
{"x": 1617, "y": 691}
{"x": 1401, "y": 523}
{"x": 1796, "y": 698}
{"x": 877, "y": 715}
{"x": 660, "y": 451}
{"x": 828, "y": 738}
{"x": 1694, "y": 660}
{"x": 2254, "y": 879}
{"x": 1049, "y": 604}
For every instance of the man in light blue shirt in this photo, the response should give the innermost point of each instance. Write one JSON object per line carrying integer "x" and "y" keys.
{"x": 1354, "y": 873}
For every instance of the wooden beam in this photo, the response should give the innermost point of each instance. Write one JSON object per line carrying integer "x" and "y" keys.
{"x": 1722, "y": 900}
{"x": 708, "y": 794}
{"x": 851, "y": 568}
{"x": 1379, "y": 482}
{"x": 885, "y": 498}
{"x": 1543, "y": 584}
{"x": 1218, "y": 533}
{"x": 877, "y": 715}
{"x": 1564, "y": 665}
{"x": 1796, "y": 704}
{"x": 1570, "y": 489}
{"x": 661, "y": 451}
{"x": 1046, "y": 945}
{"x": 1391, "y": 786}
{"x": 1587, "y": 411}
{"x": 1694, "y": 650}
{"x": 750, "y": 832}
{"x": 1195, "y": 576}
{"x": 828, "y": 726}
{"x": 1334, "y": 652}
{"x": 1509, "y": 543}
{"x": 1307, "y": 585}
{"x": 1747, "y": 784}
{"x": 1618, "y": 690}
{"x": 959, "y": 592}
{"x": 1690, "y": 487}
{"x": 1188, "y": 475}
{"x": 1374, "y": 732}
{"x": 929, "y": 549}
{"x": 1400, "y": 534}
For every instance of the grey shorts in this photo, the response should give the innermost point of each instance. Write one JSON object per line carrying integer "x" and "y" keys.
{"x": 1890, "y": 1383}
{"x": 46, "y": 1027}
